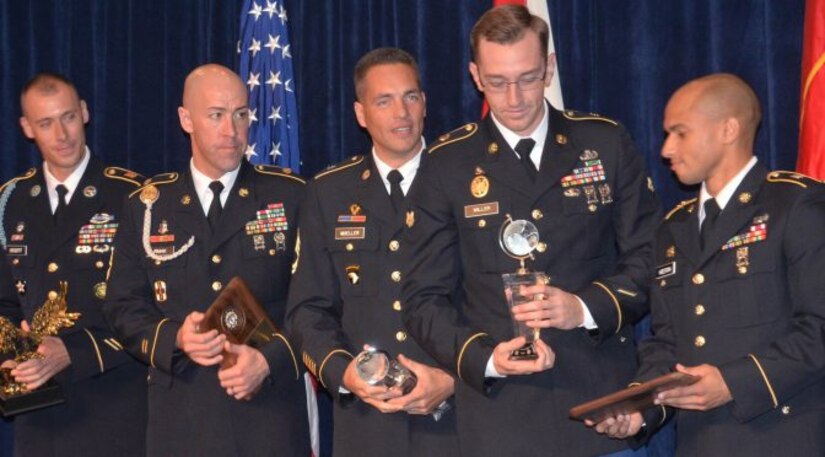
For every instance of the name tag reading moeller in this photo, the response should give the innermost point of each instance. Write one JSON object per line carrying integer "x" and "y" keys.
{"x": 350, "y": 233}
{"x": 481, "y": 209}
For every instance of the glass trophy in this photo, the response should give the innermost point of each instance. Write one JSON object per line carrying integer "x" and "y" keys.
{"x": 377, "y": 368}
{"x": 518, "y": 239}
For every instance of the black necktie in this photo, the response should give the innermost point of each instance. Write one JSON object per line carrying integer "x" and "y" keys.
{"x": 396, "y": 194}
{"x": 215, "y": 208}
{"x": 61, "y": 202}
{"x": 712, "y": 211}
{"x": 523, "y": 148}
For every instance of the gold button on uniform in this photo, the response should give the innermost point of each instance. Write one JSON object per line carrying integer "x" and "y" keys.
{"x": 396, "y": 276}
{"x": 482, "y": 223}
{"x": 394, "y": 245}
{"x": 15, "y": 262}
{"x": 786, "y": 410}
{"x": 349, "y": 247}
{"x": 541, "y": 247}
{"x": 699, "y": 310}
{"x": 699, "y": 341}
{"x": 216, "y": 286}
{"x": 396, "y": 305}
{"x": 216, "y": 258}
{"x": 52, "y": 267}
{"x": 99, "y": 264}
{"x": 401, "y": 335}
{"x": 272, "y": 252}
{"x": 537, "y": 214}
{"x": 698, "y": 278}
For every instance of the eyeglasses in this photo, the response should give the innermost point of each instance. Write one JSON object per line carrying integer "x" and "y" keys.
{"x": 525, "y": 84}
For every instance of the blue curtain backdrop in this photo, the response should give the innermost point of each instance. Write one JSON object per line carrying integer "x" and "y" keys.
{"x": 618, "y": 58}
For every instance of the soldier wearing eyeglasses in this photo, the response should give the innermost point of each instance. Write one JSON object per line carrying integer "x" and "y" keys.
{"x": 579, "y": 179}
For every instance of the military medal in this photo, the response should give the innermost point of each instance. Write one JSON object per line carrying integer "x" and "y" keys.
{"x": 604, "y": 191}
{"x": 479, "y": 186}
{"x": 592, "y": 198}
{"x": 742, "y": 261}
{"x": 280, "y": 241}
{"x": 160, "y": 291}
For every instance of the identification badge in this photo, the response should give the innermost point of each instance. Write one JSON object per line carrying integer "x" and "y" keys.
{"x": 481, "y": 209}
{"x": 668, "y": 269}
{"x": 350, "y": 233}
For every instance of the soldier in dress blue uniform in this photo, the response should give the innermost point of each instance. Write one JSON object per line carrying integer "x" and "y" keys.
{"x": 737, "y": 300}
{"x": 184, "y": 236}
{"x": 346, "y": 291}
{"x": 57, "y": 224}
{"x": 579, "y": 179}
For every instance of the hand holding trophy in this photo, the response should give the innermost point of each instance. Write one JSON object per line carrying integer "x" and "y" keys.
{"x": 53, "y": 315}
{"x": 518, "y": 239}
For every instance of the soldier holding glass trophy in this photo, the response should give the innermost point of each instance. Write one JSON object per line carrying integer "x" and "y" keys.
{"x": 565, "y": 188}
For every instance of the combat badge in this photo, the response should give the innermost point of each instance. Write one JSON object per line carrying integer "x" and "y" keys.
{"x": 479, "y": 186}
{"x": 588, "y": 154}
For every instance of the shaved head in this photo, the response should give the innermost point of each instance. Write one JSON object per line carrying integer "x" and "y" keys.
{"x": 206, "y": 76}
{"x": 711, "y": 125}
{"x": 721, "y": 96}
{"x": 216, "y": 116}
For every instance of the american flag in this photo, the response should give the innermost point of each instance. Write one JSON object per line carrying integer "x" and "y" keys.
{"x": 266, "y": 66}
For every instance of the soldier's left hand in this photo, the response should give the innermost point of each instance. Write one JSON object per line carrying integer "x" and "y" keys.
{"x": 551, "y": 307}
{"x": 36, "y": 372}
{"x": 709, "y": 392}
{"x": 433, "y": 387}
{"x": 243, "y": 379}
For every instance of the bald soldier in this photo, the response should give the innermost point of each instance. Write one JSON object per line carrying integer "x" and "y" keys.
{"x": 184, "y": 236}
{"x": 737, "y": 299}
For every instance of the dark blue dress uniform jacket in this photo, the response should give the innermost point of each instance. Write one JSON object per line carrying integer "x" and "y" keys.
{"x": 189, "y": 412}
{"x": 346, "y": 292}
{"x": 105, "y": 390}
{"x": 597, "y": 243}
{"x": 752, "y": 304}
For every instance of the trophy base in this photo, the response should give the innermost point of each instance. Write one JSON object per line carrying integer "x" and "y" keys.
{"x": 526, "y": 352}
{"x": 48, "y": 395}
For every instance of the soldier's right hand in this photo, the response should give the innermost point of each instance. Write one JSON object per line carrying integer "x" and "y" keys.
{"x": 375, "y": 396}
{"x": 505, "y": 366}
{"x": 203, "y": 348}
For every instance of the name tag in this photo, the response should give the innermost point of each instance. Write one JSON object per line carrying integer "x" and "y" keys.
{"x": 668, "y": 269}
{"x": 481, "y": 209}
{"x": 17, "y": 250}
{"x": 350, "y": 233}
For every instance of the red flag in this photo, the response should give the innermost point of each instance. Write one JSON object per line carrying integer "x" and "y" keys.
{"x": 811, "y": 159}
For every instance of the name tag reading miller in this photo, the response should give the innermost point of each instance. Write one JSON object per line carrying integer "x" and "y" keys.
{"x": 350, "y": 233}
{"x": 481, "y": 209}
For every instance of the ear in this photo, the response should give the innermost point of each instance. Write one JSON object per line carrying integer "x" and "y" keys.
{"x": 476, "y": 78}
{"x": 27, "y": 128}
{"x": 84, "y": 112}
{"x": 731, "y": 130}
{"x": 551, "y": 68}
{"x": 359, "y": 114}
{"x": 185, "y": 120}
